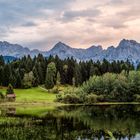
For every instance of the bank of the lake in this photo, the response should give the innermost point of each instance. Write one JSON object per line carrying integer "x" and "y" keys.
{"x": 32, "y": 96}
{"x": 39, "y": 96}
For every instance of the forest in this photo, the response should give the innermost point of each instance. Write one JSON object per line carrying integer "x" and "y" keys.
{"x": 90, "y": 81}
{"x": 30, "y": 72}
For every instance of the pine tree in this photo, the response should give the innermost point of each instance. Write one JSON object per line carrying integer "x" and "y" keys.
{"x": 18, "y": 81}
{"x": 1, "y": 75}
{"x": 50, "y": 76}
{"x": 70, "y": 72}
{"x": 77, "y": 75}
{"x": 58, "y": 79}
{"x": 10, "y": 89}
{"x": 1, "y": 61}
{"x": 12, "y": 80}
{"x": 28, "y": 64}
{"x": 40, "y": 74}
{"x": 64, "y": 78}
{"x": 7, "y": 73}
{"x": 36, "y": 80}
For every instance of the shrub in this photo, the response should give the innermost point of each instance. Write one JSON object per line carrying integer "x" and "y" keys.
{"x": 59, "y": 98}
{"x": 91, "y": 98}
{"x": 137, "y": 98}
{"x": 100, "y": 98}
{"x": 71, "y": 98}
{"x": 54, "y": 90}
{"x": 1, "y": 95}
{"x": 26, "y": 86}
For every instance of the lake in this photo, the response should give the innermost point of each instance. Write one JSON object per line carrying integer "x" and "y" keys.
{"x": 102, "y": 122}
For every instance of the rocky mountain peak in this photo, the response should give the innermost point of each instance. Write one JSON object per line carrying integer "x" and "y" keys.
{"x": 60, "y": 46}
{"x": 127, "y": 49}
{"x": 99, "y": 47}
{"x": 128, "y": 43}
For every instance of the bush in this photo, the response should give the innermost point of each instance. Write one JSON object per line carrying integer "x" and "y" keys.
{"x": 91, "y": 98}
{"x": 26, "y": 86}
{"x": 137, "y": 98}
{"x": 59, "y": 98}
{"x": 1, "y": 96}
{"x": 71, "y": 98}
{"x": 100, "y": 98}
{"x": 54, "y": 90}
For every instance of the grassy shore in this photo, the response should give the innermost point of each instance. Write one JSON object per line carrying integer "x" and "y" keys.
{"x": 41, "y": 97}
{"x": 36, "y": 95}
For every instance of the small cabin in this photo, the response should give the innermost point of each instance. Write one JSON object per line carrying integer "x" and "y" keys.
{"x": 11, "y": 97}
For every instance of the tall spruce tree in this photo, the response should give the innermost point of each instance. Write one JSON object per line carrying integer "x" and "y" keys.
{"x": 1, "y": 75}
{"x": 18, "y": 81}
{"x": 50, "y": 76}
{"x": 1, "y": 61}
{"x": 7, "y": 74}
{"x": 36, "y": 77}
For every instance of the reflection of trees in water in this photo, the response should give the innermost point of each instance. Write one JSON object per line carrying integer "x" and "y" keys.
{"x": 9, "y": 111}
{"x": 77, "y": 123}
{"x": 121, "y": 120}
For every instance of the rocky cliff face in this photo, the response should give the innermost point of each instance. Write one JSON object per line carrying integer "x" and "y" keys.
{"x": 15, "y": 50}
{"x": 126, "y": 50}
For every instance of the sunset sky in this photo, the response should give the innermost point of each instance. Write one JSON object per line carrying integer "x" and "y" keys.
{"x": 40, "y": 24}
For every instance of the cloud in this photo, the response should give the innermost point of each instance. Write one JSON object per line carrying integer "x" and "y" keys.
{"x": 88, "y": 13}
{"x": 116, "y": 2}
{"x": 118, "y": 12}
{"x": 42, "y": 23}
{"x": 131, "y": 13}
{"x": 117, "y": 23}
{"x": 29, "y": 24}
{"x": 15, "y": 12}
{"x": 4, "y": 31}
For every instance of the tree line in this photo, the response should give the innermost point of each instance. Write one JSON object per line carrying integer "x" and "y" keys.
{"x": 30, "y": 72}
{"x": 109, "y": 87}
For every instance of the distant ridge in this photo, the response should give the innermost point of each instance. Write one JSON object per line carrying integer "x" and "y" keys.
{"x": 126, "y": 50}
{"x": 8, "y": 59}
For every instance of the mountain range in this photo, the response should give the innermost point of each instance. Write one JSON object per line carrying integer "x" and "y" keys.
{"x": 126, "y": 50}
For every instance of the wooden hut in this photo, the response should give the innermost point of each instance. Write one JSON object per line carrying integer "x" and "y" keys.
{"x": 11, "y": 97}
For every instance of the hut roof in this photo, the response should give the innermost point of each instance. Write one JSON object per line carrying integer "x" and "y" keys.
{"x": 11, "y": 95}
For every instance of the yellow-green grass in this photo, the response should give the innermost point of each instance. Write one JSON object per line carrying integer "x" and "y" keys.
{"x": 40, "y": 96}
{"x": 34, "y": 110}
{"x": 32, "y": 95}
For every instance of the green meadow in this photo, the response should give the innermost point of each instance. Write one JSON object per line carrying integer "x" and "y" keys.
{"x": 36, "y": 95}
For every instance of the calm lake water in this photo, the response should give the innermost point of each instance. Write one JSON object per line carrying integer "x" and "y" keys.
{"x": 104, "y": 122}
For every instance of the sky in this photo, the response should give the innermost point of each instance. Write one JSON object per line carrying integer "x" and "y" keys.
{"x": 40, "y": 24}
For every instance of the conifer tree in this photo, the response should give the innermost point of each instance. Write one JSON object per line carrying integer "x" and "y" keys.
{"x": 10, "y": 89}
{"x": 18, "y": 81}
{"x": 50, "y": 76}
{"x": 1, "y": 75}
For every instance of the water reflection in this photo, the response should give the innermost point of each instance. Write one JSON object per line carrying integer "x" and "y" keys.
{"x": 72, "y": 123}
